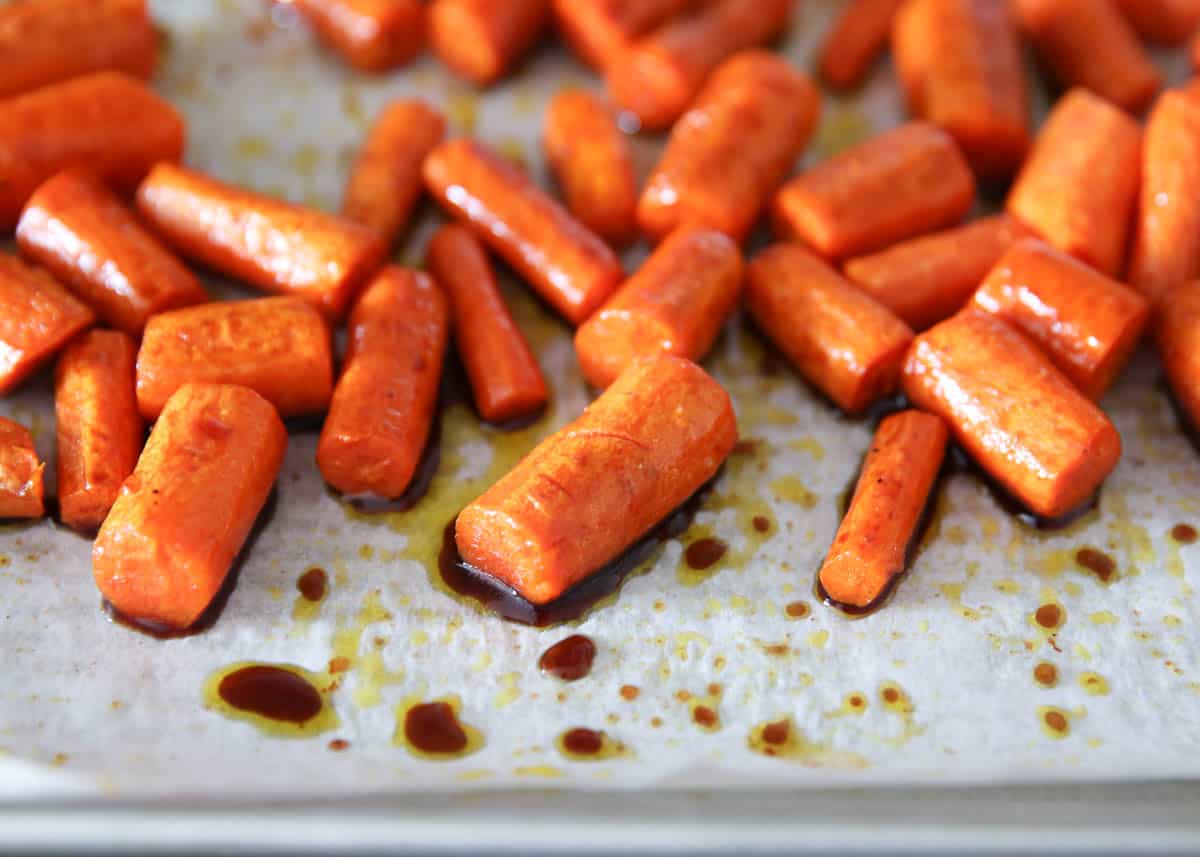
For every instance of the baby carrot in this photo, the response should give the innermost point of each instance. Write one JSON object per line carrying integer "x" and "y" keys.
{"x": 597, "y": 30}
{"x": 278, "y": 347}
{"x": 855, "y": 41}
{"x": 81, "y": 232}
{"x": 905, "y": 182}
{"x": 873, "y": 541}
{"x": 483, "y": 39}
{"x": 1168, "y": 22}
{"x": 596, "y": 486}
{"x": 565, "y": 262}
{"x": 506, "y": 380}
{"x": 37, "y": 318}
{"x": 733, "y": 147}
{"x": 20, "y": 473}
{"x": 99, "y": 429}
{"x": 181, "y": 517}
{"x": 384, "y": 402}
{"x": 591, "y": 160}
{"x": 108, "y": 121}
{"x": 386, "y": 180}
{"x": 843, "y": 342}
{"x": 273, "y": 245}
{"x": 1020, "y": 418}
{"x": 1177, "y": 335}
{"x": 372, "y": 35}
{"x": 1078, "y": 188}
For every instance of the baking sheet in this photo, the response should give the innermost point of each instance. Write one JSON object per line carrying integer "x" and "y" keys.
{"x": 944, "y": 673}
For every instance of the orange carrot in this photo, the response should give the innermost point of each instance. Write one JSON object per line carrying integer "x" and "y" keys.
{"x": 676, "y": 304}
{"x": 732, "y": 149}
{"x": 855, "y": 41}
{"x": 483, "y": 39}
{"x": 99, "y": 429}
{"x": 592, "y": 489}
{"x": 1177, "y": 334}
{"x": 505, "y": 377}
{"x": 384, "y": 402}
{"x": 166, "y": 547}
{"x": 278, "y": 347}
{"x": 372, "y": 35}
{"x": 1194, "y": 52}
{"x": 873, "y": 541}
{"x": 843, "y": 342}
{"x": 273, "y": 245}
{"x": 1168, "y": 22}
{"x": 20, "y": 473}
{"x": 598, "y": 30}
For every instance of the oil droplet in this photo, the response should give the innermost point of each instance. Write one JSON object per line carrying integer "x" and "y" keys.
{"x": 1050, "y": 616}
{"x": 581, "y": 744}
{"x": 1184, "y": 534}
{"x": 894, "y": 698}
{"x": 630, "y": 692}
{"x": 1100, "y": 564}
{"x": 1056, "y": 723}
{"x": 1045, "y": 674}
{"x": 853, "y": 703}
{"x": 781, "y": 739}
{"x": 1094, "y": 683}
{"x": 797, "y": 610}
{"x": 704, "y": 553}
{"x": 432, "y": 729}
{"x": 569, "y": 659}
{"x": 547, "y": 772}
{"x": 278, "y": 699}
{"x": 792, "y": 490}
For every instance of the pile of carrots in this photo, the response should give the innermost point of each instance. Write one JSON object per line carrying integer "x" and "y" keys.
{"x": 1002, "y": 332}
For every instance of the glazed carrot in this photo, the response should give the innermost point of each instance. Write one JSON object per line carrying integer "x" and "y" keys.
{"x": 386, "y": 180}
{"x": 565, "y": 262}
{"x": 735, "y": 145}
{"x": 598, "y": 30}
{"x": 384, "y": 402}
{"x": 505, "y": 377}
{"x": 1020, "y": 418}
{"x": 278, "y": 347}
{"x": 855, "y": 41}
{"x": 372, "y": 35}
{"x": 1088, "y": 43}
{"x": 37, "y": 318}
{"x": 842, "y": 342}
{"x": 1194, "y": 51}
{"x": 99, "y": 429}
{"x": 1168, "y": 22}
{"x": 482, "y": 40}
{"x": 1079, "y": 185}
{"x": 902, "y": 183}
{"x": 592, "y": 489}
{"x": 1177, "y": 335}
{"x": 591, "y": 160}
{"x": 273, "y": 245}
{"x": 20, "y": 473}
{"x": 872, "y": 542}
{"x": 107, "y": 121}
{"x": 959, "y": 63}
{"x": 166, "y": 547}
{"x": 656, "y": 76}
{"x": 924, "y": 280}
{"x": 81, "y": 232}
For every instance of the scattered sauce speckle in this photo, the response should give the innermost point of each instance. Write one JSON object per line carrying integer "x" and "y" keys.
{"x": 629, "y": 692}
{"x": 705, "y": 553}
{"x": 569, "y": 659}
{"x": 1094, "y": 683}
{"x": 1097, "y": 562}
{"x": 279, "y": 699}
{"x": 1185, "y": 534}
{"x": 1045, "y": 674}
{"x": 777, "y": 733}
{"x": 339, "y": 744}
{"x": 705, "y": 716}
{"x": 312, "y": 584}
{"x": 588, "y": 745}
{"x": 1055, "y": 722}
{"x": 780, "y": 739}
{"x": 797, "y": 610}
{"x": 1050, "y": 616}
{"x": 761, "y": 523}
{"x": 432, "y": 729}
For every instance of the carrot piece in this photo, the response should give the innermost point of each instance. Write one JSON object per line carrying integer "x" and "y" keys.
{"x": 657, "y": 75}
{"x": 565, "y": 262}
{"x": 20, "y": 473}
{"x": 482, "y": 40}
{"x": 842, "y": 341}
{"x": 1177, "y": 335}
{"x": 181, "y": 517}
{"x": 99, "y": 429}
{"x": 733, "y": 147}
{"x": 505, "y": 377}
{"x": 855, "y": 41}
{"x": 592, "y": 162}
{"x": 1079, "y": 185}
{"x": 905, "y": 182}
{"x": 959, "y": 63}
{"x": 598, "y": 30}
{"x": 872, "y": 543}
{"x": 81, "y": 232}
{"x": 924, "y": 280}
{"x": 371, "y": 35}
{"x": 111, "y": 123}
{"x": 37, "y": 318}
{"x": 1168, "y": 22}
{"x": 1020, "y": 418}
{"x": 589, "y": 491}
{"x": 384, "y": 402}
{"x": 1089, "y": 44}
{"x": 272, "y": 245}
{"x": 278, "y": 347}
{"x": 1194, "y": 52}
{"x": 676, "y": 304}
{"x": 386, "y": 180}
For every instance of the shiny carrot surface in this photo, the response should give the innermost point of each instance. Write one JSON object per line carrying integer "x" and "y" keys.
{"x": 21, "y": 489}
{"x": 372, "y": 35}
{"x": 598, "y": 30}
{"x": 1177, "y": 335}
{"x": 1169, "y": 22}
{"x": 855, "y": 41}
{"x": 482, "y": 40}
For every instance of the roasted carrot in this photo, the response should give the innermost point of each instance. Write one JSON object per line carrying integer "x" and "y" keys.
{"x": 565, "y": 262}
{"x": 592, "y": 489}
{"x": 273, "y": 245}
{"x": 844, "y": 343}
{"x": 278, "y": 347}
{"x": 483, "y": 39}
{"x": 109, "y": 122}
{"x": 657, "y": 75}
{"x": 855, "y": 41}
{"x": 905, "y": 182}
{"x": 874, "y": 539}
{"x": 384, "y": 402}
{"x": 81, "y": 232}
{"x": 1020, "y": 418}
{"x": 37, "y": 318}
{"x": 98, "y": 428}
{"x": 1079, "y": 185}
{"x": 598, "y": 30}
{"x": 506, "y": 380}
{"x": 372, "y": 35}
{"x": 1177, "y": 335}
{"x": 1168, "y": 22}
{"x": 181, "y": 517}
{"x": 733, "y": 147}
{"x": 20, "y": 473}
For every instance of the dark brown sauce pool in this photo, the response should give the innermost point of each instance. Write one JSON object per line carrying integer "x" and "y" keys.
{"x": 433, "y": 727}
{"x": 313, "y": 584}
{"x": 271, "y": 692}
{"x": 569, "y": 659}
{"x": 705, "y": 553}
{"x": 583, "y": 742}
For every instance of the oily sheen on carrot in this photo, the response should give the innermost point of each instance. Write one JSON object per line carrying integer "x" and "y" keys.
{"x": 1177, "y": 335}
{"x": 589, "y": 491}
{"x": 855, "y": 41}
{"x": 1169, "y": 22}
{"x": 598, "y": 30}
{"x": 482, "y": 40}
{"x": 372, "y": 35}
{"x": 20, "y": 473}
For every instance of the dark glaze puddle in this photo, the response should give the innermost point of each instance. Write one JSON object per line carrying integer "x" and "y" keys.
{"x": 433, "y": 727}
{"x": 569, "y": 659}
{"x": 271, "y": 692}
{"x": 582, "y": 741}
